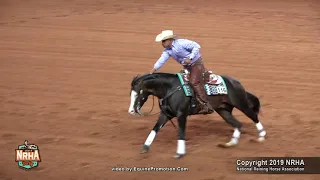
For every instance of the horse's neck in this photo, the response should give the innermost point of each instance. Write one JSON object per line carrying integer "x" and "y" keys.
{"x": 158, "y": 87}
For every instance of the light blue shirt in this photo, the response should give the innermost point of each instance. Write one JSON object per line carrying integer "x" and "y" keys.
{"x": 180, "y": 50}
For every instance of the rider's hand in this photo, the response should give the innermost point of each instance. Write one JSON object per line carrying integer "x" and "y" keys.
{"x": 152, "y": 71}
{"x": 187, "y": 61}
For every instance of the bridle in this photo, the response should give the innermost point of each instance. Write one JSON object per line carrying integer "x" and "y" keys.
{"x": 161, "y": 104}
{"x": 148, "y": 114}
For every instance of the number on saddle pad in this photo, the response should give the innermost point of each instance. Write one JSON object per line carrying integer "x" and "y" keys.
{"x": 211, "y": 90}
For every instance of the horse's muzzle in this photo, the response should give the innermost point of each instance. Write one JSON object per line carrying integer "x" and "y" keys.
{"x": 136, "y": 110}
{"x": 131, "y": 111}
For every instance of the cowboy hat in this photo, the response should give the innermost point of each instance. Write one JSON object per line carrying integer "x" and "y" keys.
{"x": 164, "y": 35}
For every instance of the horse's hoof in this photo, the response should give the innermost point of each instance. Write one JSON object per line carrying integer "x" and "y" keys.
{"x": 227, "y": 145}
{"x": 259, "y": 140}
{"x": 145, "y": 149}
{"x": 178, "y": 156}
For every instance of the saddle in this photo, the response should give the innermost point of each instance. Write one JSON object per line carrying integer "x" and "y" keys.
{"x": 208, "y": 77}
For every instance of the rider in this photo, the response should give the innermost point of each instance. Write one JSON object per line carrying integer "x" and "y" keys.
{"x": 186, "y": 53}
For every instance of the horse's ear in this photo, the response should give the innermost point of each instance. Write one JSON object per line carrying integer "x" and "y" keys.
{"x": 135, "y": 78}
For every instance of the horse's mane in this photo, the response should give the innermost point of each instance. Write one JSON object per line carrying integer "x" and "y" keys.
{"x": 151, "y": 76}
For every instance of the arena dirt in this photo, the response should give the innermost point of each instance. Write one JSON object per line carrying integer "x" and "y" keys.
{"x": 66, "y": 69}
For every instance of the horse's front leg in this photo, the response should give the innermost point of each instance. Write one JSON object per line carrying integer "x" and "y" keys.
{"x": 163, "y": 119}
{"x": 181, "y": 147}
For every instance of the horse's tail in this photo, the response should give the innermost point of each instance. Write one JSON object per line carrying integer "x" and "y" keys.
{"x": 255, "y": 102}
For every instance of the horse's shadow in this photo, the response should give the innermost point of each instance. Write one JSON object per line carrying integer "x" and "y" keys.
{"x": 214, "y": 127}
{"x": 197, "y": 130}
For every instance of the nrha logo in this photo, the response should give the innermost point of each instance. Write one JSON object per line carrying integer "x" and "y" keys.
{"x": 28, "y": 155}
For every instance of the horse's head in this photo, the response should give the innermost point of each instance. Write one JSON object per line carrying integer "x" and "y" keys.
{"x": 139, "y": 94}
{"x": 156, "y": 84}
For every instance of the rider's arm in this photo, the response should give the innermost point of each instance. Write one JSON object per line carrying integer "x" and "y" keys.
{"x": 164, "y": 58}
{"x": 192, "y": 47}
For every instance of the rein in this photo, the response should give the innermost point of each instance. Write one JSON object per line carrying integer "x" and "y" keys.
{"x": 170, "y": 94}
{"x": 161, "y": 103}
{"x": 148, "y": 114}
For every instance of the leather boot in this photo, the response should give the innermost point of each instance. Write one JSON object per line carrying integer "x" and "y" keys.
{"x": 201, "y": 93}
{"x": 196, "y": 81}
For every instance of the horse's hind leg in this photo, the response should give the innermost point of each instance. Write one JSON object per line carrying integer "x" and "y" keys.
{"x": 249, "y": 112}
{"x": 226, "y": 114}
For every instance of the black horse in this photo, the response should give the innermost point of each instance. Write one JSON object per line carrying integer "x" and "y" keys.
{"x": 174, "y": 103}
